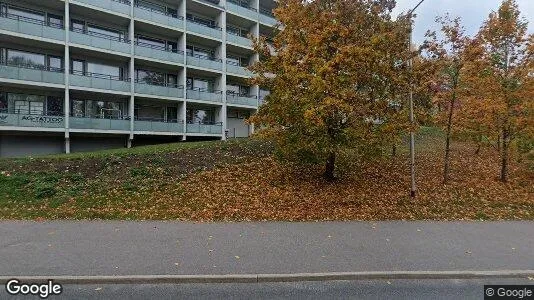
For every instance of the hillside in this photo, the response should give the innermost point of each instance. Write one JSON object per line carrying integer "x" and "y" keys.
{"x": 240, "y": 180}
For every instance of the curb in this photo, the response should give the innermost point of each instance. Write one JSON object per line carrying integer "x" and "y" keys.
{"x": 260, "y": 278}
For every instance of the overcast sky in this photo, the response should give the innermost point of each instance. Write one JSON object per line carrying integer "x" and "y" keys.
{"x": 472, "y": 12}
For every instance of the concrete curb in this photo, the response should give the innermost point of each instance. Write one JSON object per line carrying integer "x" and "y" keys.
{"x": 259, "y": 278}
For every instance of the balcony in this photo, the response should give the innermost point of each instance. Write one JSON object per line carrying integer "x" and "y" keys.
{"x": 35, "y": 73}
{"x": 238, "y": 40}
{"x": 205, "y": 128}
{"x": 176, "y": 126}
{"x": 213, "y": 32}
{"x": 242, "y": 100}
{"x": 155, "y": 16}
{"x": 204, "y": 95}
{"x": 99, "y": 81}
{"x": 267, "y": 17}
{"x": 241, "y": 9}
{"x": 160, "y": 53}
{"x": 33, "y": 27}
{"x": 117, "y": 6}
{"x": 204, "y": 62}
{"x": 157, "y": 89}
{"x": 238, "y": 70}
{"x": 29, "y": 120}
{"x": 100, "y": 41}
{"x": 99, "y": 123}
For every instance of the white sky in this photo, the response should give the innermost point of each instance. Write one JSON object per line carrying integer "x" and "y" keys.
{"x": 472, "y": 12}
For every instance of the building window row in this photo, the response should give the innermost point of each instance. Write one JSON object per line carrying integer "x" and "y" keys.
{"x": 30, "y": 15}
{"x": 28, "y": 104}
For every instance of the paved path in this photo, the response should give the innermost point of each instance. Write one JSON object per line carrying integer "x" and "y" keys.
{"x": 167, "y": 248}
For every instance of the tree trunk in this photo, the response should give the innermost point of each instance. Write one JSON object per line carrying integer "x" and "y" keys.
{"x": 504, "y": 155}
{"x": 394, "y": 150}
{"x": 330, "y": 167}
{"x": 479, "y": 145}
{"x": 446, "y": 168}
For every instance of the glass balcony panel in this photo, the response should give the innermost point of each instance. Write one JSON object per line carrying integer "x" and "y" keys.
{"x": 165, "y": 91}
{"x": 204, "y": 30}
{"x": 175, "y": 57}
{"x": 242, "y": 100}
{"x": 238, "y": 70}
{"x": 204, "y": 63}
{"x": 204, "y": 128}
{"x": 99, "y": 42}
{"x": 27, "y": 26}
{"x": 159, "y": 126}
{"x": 158, "y": 17}
{"x": 268, "y": 20}
{"x": 118, "y": 6}
{"x": 29, "y": 74}
{"x": 19, "y": 120}
{"x": 204, "y": 95}
{"x": 99, "y": 83}
{"x": 99, "y": 124}
{"x": 239, "y": 40}
{"x": 243, "y": 11}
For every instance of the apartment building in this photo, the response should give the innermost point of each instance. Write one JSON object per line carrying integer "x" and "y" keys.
{"x": 79, "y": 75}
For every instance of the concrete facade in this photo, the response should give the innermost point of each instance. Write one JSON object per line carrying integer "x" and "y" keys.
{"x": 80, "y": 75}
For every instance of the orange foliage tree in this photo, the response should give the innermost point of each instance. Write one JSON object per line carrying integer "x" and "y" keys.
{"x": 335, "y": 76}
{"x": 501, "y": 80}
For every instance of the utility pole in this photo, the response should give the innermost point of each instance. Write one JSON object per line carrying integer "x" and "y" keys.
{"x": 413, "y": 189}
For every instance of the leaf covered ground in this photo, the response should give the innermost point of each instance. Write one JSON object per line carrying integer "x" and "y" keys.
{"x": 241, "y": 181}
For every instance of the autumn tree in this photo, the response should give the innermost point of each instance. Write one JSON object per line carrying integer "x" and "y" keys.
{"x": 334, "y": 76}
{"x": 448, "y": 54}
{"x": 502, "y": 78}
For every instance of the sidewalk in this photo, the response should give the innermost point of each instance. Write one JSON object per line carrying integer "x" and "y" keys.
{"x": 172, "y": 248}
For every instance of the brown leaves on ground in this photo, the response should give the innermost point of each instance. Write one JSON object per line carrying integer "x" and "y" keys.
{"x": 266, "y": 190}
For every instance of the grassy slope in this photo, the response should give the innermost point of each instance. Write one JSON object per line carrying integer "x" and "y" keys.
{"x": 239, "y": 180}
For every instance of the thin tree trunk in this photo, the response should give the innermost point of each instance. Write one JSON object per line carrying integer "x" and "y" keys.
{"x": 479, "y": 145}
{"x": 330, "y": 167}
{"x": 394, "y": 150}
{"x": 504, "y": 156}
{"x": 446, "y": 168}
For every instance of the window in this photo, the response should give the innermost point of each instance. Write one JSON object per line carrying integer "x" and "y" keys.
{"x": 172, "y": 80}
{"x": 172, "y": 46}
{"x": 200, "y": 116}
{"x": 106, "y": 32}
{"x": 150, "y": 77}
{"x": 54, "y": 106}
{"x": 101, "y": 69}
{"x": 25, "y": 13}
{"x": 55, "y": 21}
{"x": 200, "y": 52}
{"x": 233, "y": 60}
{"x": 172, "y": 114}
{"x": 155, "y": 43}
{"x": 78, "y": 67}
{"x": 200, "y": 84}
{"x": 22, "y": 58}
{"x": 55, "y": 63}
{"x": 200, "y": 20}
{"x": 27, "y": 104}
{"x": 78, "y": 108}
{"x": 77, "y": 25}
{"x": 3, "y": 103}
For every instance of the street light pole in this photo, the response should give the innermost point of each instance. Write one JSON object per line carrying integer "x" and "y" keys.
{"x": 413, "y": 189}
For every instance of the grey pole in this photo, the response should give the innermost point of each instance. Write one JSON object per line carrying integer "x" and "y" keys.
{"x": 413, "y": 189}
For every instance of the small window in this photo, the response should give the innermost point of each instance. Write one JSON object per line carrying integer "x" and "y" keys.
{"x": 55, "y": 63}
{"x": 55, "y": 21}
{"x": 77, "y": 25}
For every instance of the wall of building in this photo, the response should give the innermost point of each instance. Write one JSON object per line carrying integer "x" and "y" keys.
{"x": 18, "y": 145}
{"x": 91, "y": 143}
{"x": 237, "y": 128}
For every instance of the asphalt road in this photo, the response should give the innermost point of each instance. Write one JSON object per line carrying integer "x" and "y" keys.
{"x": 170, "y": 248}
{"x": 399, "y": 289}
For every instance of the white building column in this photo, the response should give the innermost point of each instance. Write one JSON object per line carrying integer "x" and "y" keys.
{"x": 66, "y": 63}
{"x": 131, "y": 36}
{"x": 224, "y": 109}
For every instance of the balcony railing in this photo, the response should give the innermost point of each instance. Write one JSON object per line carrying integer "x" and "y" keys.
{"x": 160, "y": 53}
{"x": 205, "y": 128}
{"x": 99, "y": 123}
{"x": 159, "y": 125}
{"x": 29, "y": 26}
{"x": 28, "y": 72}
{"x": 238, "y": 39}
{"x": 99, "y": 81}
{"x": 236, "y": 68}
{"x": 266, "y": 16}
{"x": 99, "y": 40}
{"x": 25, "y": 119}
{"x": 203, "y": 29}
{"x": 242, "y": 99}
{"x": 242, "y": 8}
{"x": 159, "y": 17}
{"x": 204, "y": 95}
{"x": 118, "y": 6}
{"x": 204, "y": 62}
{"x": 159, "y": 89}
